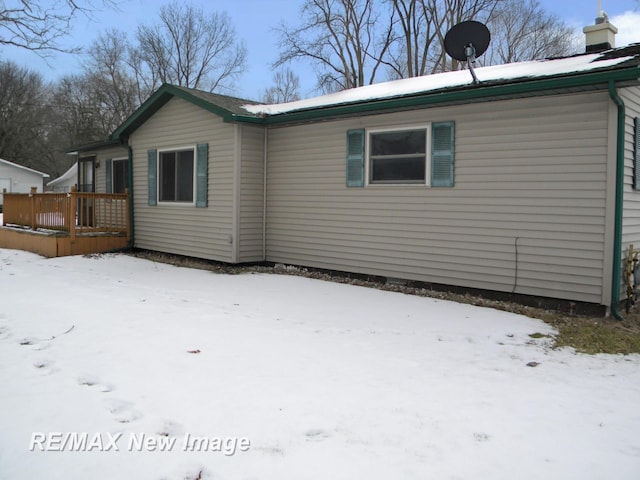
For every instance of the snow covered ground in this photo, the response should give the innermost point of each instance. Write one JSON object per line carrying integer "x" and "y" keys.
{"x": 301, "y": 379}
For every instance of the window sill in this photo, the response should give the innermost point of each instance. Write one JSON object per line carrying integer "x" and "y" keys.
{"x": 176, "y": 204}
{"x": 396, "y": 185}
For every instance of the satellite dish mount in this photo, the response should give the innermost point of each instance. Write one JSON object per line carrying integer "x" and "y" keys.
{"x": 466, "y": 41}
{"x": 470, "y": 52}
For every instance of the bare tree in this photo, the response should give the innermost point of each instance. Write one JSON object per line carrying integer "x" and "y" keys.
{"x": 22, "y": 105}
{"x": 78, "y": 111}
{"x": 108, "y": 74}
{"x": 286, "y": 87}
{"x": 147, "y": 79}
{"x": 522, "y": 30}
{"x": 39, "y": 121}
{"x": 75, "y": 116}
{"x": 190, "y": 49}
{"x": 417, "y": 33}
{"x": 349, "y": 44}
{"x": 448, "y": 13}
{"x": 346, "y": 40}
{"x": 39, "y": 25}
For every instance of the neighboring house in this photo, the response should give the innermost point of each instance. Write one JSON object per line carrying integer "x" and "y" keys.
{"x": 15, "y": 178}
{"x": 524, "y": 183}
{"x": 64, "y": 182}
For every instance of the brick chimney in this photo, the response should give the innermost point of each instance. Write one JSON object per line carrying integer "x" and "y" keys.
{"x": 601, "y": 36}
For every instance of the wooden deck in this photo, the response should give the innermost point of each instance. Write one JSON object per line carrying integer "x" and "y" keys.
{"x": 60, "y": 224}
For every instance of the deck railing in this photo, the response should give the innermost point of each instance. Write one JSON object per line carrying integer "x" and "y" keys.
{"x": 74, "y": 212}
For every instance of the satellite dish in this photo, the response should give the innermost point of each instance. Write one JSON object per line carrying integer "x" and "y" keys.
{"x": 466, "y": 41}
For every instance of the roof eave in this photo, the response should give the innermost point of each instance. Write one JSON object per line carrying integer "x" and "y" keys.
{"x": 22, "y": 167}
{"x": 92, "y": 146}
{"x": 165, "y": 93}
{"x": 475, "y": 92}
{"x": 465, "y": 93}
{"x": 156, "y": 101}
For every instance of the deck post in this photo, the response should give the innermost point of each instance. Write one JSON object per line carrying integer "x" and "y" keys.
{"x": 127, "y": 215}
{"x": 72, "y": 213}
{"x": 32, "y": 198}
{"x": 4, "y": 191}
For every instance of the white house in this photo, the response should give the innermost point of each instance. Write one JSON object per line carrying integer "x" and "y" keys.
{"x": 15, "y": 178}
{"x": 65, "y": 181}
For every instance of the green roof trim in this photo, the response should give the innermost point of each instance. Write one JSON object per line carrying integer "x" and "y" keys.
{"x": 469, "y": 93}
{"x": 94, "y": 146}
{"x": 229, "y": 108}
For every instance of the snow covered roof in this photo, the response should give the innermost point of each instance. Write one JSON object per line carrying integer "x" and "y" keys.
{"x": 498, "y": 74}
{"x": 69, "y": 175}
{"x": 7, "y": 162}
{"x": 510, "y": 79}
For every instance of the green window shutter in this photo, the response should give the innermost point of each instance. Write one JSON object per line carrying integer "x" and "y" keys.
{"x": 355, "y": 158}
{"x": 442, "y": 154}
{"x": 107, "y": 167}
{"x": 202, "y": 174}
{"x": 152, "y": 157}
{"x": 636, "y": 153}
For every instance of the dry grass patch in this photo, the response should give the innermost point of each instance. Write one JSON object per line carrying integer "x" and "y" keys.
{"x": 597, "y": 336}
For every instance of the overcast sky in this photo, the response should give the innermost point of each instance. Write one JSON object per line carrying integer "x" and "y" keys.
{"x": 255, "y": 20}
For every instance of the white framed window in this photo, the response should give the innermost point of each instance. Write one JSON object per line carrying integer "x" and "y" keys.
{"x": 176, "y": 175}
{"x": 408, "y": 155}
{"x": 398, "y": 155}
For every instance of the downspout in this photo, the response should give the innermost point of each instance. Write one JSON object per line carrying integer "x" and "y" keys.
{"x": 617, "y": 235}
{"x": 130, "y": 171}
{"x": 264, "y": 195}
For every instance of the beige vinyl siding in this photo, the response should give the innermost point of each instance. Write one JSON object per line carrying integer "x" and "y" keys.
{"x": 185, "y": 229}
{"x": 101, "y": 171}
{"x": 251, "y": 194}
{"x": 529, "y": 176}
{"x": 631, "y": 208}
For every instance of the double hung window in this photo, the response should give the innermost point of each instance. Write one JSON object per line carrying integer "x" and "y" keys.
{"x": 420, "y": 155}
{"x": 176, "y": 177}
{"x": 179, "y": 175}
{"x": 398, "y": 156}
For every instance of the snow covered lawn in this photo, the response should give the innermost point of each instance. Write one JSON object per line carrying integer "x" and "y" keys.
{"x": 325, "y": 381}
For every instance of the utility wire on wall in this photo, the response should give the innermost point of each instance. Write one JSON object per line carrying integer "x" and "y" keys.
{"x": 515, "y": 279}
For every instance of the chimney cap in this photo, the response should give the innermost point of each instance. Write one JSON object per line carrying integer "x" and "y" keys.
{"x": 602, "y": 18}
